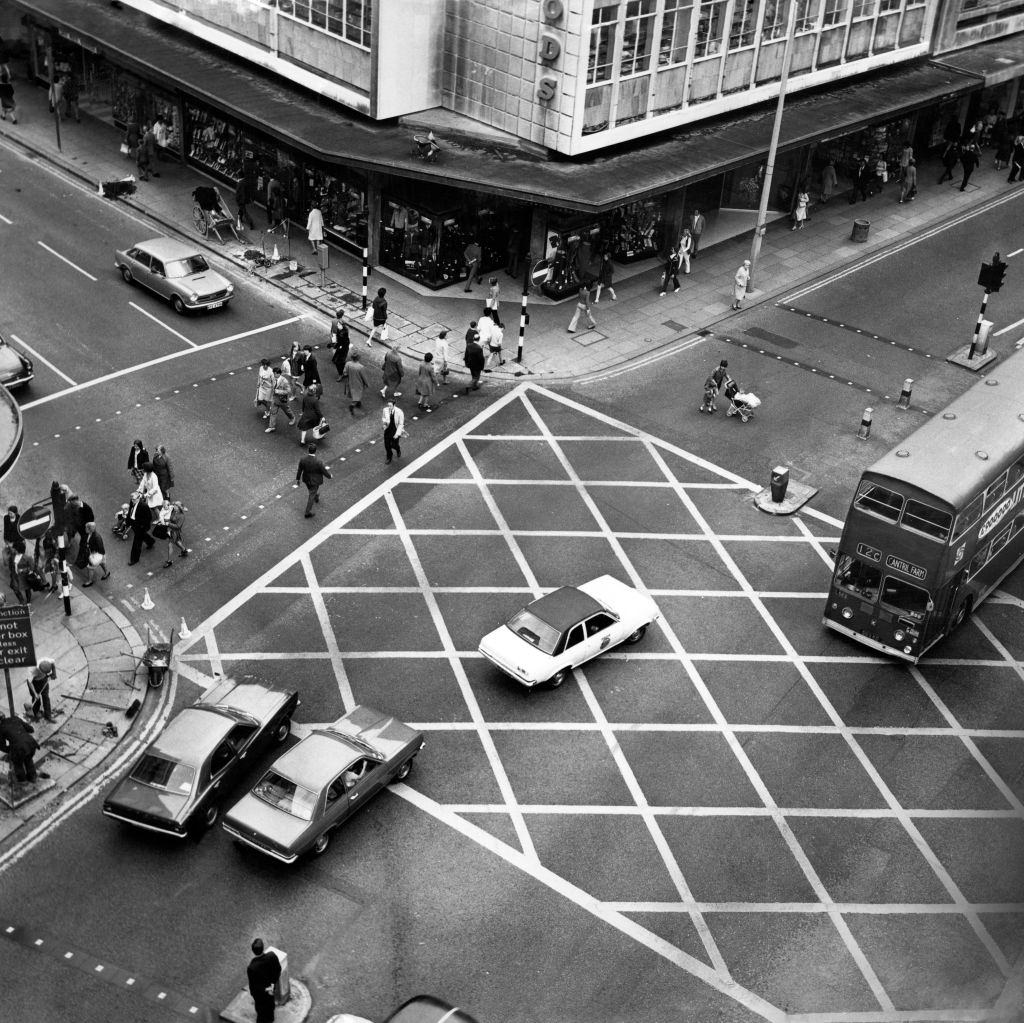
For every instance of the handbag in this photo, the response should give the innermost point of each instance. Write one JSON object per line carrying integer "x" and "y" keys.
{"x": 384, "y": 333}
{"x": 321, "y": 428}
{"x": 95, "y": 559}
{"x": 160, "y": 531}
{"x": 124, "y": 148}
{"x": 368, "y": 315}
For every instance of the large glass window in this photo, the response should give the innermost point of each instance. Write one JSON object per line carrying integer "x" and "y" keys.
{"x": 632, "y": 105}
{"x": 807, "y": 15}
{"x": 776, "y": 18}
{"x": 744, "y": 18}
{"x": 887, "y": 6}
{"x": 880, "y": 501}
{"x": 923, "y": 518}
{"x": 968, "y": 517}
{"x": 350, "y": 19}
{"x": 863, "y": 8}
{"x": 637, "y": 37}
{"x": 710, "y": 25}
{"x": 602, "y": 44}
{"x": 905, "y": 598}
{"x": 675, "y": 31}
{"x": 859, "y": 577}
{"x": 835, "y": 12}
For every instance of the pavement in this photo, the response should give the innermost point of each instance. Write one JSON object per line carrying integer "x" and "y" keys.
{"x": 638, "y": 324}
{"x": 97, "y": 653}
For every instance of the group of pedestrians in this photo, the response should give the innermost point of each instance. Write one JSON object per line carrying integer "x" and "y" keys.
{"x": 151, "y": 515}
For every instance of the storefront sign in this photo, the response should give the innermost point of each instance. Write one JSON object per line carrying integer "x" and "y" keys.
{"x": 16, "y": 646}
{"x": 553, "y": 10}
{"x": 546, "y": 89}
{"x": 549, "y": 48}
{"x": 899, "y": 565}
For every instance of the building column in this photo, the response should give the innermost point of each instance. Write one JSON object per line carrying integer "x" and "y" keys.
{"x": 538, "y": 233}
{"x": 373, "y": 217}
{"x": 674, "y": 217}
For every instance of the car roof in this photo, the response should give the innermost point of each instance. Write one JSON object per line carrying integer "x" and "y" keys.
{"x": 427, "y": 1009}
{"x": 317, "y": 759}
{"x": 564, "y": 607}
{"x": 168, "y": 248}
{"x": 193, "y": 734}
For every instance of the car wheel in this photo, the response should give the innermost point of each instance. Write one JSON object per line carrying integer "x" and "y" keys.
{"x": 283, "y": 730}
{"x": 210, "y": 814}
{"x": 965, "y": 609}
{"x": 635, "y": 637}
{"x": 321, "y": 844}
{"x": 403, "y": 772}
{"x": 558, "y": 678}
{"x": 127, "y": 275}
{"x": 177, "y": 305}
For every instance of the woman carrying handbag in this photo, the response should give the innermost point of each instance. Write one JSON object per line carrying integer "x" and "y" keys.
{"x": 97, "y": 554}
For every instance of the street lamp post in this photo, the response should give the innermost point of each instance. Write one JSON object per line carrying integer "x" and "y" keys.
{"x": 766, "y": 185}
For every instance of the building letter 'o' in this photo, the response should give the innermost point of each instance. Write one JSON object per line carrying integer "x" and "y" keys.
{"x": 553, "y": 10}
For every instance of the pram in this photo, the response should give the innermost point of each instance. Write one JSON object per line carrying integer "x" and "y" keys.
{"x": 741, "y": 403}
{"x": 210, "y": 212}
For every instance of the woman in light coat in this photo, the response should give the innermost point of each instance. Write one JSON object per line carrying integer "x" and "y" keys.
{"x": 426, "y": 382}
{"x": 315, "y": 228}
{"x": 264, "y": 387}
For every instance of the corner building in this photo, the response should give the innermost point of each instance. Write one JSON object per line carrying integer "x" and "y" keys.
{"x": 567, "y": 128}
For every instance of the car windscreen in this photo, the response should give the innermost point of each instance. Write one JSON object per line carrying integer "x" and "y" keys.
{"x": 183, "y": 267}
{"x": 161, "y": 773}
{"x": 286, "y": 795}
{"x": 527, "y": 626}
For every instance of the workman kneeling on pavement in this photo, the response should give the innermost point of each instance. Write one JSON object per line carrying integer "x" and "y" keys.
{"x": 18, "y": 742}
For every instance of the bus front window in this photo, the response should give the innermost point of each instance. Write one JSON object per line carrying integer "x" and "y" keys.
{"x": 906, "y": 599}
{"x": 860, "y": 577}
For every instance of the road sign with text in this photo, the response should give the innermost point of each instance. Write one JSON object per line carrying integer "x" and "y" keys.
{"x": 16, "y": 646}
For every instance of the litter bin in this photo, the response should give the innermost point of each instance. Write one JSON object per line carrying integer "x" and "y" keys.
{"x": 779, "y": 483}
{"x": 860, "y": 230}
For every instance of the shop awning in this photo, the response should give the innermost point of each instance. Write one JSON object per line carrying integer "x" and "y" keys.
{"x": 996, "y": 62}
{"x": 299, "y": 120}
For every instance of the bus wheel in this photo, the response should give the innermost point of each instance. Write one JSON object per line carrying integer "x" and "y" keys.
{"x": 965, "y": 610}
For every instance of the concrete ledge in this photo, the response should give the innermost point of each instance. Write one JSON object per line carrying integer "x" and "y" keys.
{"x": 797, "y": 495}
{"x": 959, "y": 358}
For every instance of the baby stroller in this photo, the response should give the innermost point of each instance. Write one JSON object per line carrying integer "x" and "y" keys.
{"x": 741, "y": 403}
{"x": 122, "y": 523}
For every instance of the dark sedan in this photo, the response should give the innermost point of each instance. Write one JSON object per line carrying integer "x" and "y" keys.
{"x": 181, "y": 779}
{"x": 16, "y": 367}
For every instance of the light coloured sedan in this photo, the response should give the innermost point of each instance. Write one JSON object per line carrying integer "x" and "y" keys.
{"x": 544, "y": 641}
{"x": 321, "y": 781}
{"x": 176, "y": 271}
{"x": 185, "y": 773}
{"x": 16, "y": 367}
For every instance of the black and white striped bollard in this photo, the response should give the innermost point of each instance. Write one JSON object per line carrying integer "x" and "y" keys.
{"x": 904, "y": 401}
{"x": 366, "y": 273}
{"x": 865, "y": 425}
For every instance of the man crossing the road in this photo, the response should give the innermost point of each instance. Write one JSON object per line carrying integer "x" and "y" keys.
{"x": 393, "y": 420}
{"x": 312, "y": 472}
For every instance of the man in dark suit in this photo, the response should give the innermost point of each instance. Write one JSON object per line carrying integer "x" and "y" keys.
{"x": 141, "y": 519}
{"x": 474, "y": 360}
{"x": 263, "y": 971}
{"x": 312, "y": 472}
{"x": 18, "y": 742}
{"x": 79, "y": 513}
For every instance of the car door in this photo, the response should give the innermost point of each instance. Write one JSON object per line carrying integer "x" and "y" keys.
{"x": 158, "y": 278}
{"x": 363, "y": 779}
{"x": 599, "y": 634}
{"x": 574, "y": 650}
{"x": 139, "y": 263}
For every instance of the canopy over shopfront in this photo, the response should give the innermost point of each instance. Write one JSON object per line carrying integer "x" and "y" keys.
{"x": 995, "y": 62}
{"x": 594, "y": 185}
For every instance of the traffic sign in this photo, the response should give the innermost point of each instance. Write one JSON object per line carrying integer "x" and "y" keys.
{"x": 16, "y": 645}
{"x": 540, "y": 271}
{"x": 34, "y": 522}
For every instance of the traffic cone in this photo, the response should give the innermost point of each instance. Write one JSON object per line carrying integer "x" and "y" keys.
{"x": 147, "y": 601}
{"x": 184, "y": 632}
{"x": 276, "y": 257}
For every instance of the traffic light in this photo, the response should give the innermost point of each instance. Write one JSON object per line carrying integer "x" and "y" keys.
{"x": 992, "y": 274}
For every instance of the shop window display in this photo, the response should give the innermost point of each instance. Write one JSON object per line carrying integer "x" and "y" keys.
{"x": 635, "y": 231}
{"x": 422, "y": 245}
{"x": 572, "y": 256}
{"x": 343, "y": 203}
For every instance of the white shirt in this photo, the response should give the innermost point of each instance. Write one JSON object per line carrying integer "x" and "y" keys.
{"x": 441, "y": 350}
{"x": 385, "y": 419}
{"x": 485, "y": 328}
{"x": 149, "y": 487}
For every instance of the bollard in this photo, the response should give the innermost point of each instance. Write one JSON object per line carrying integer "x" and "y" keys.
{"x": 283, "y": 987}
{"x": 865, "y": 425}
{"x": 779, "y": 483}
{"x": 366, "y": 273}
{"x": 904, "y": 401}
{"x": 983, "y": 335}
{"x": 860, "y": 231}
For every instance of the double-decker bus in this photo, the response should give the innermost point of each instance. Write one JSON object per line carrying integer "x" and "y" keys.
{"x": 936, "y": 524}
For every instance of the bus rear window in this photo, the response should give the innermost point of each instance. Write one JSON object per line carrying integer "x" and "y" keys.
{"x": 904, "y": 598}
{"x": 879, "y": 501}
{"x": 923, "y": 518}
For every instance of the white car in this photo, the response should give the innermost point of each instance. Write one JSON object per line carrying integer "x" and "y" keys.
{"x": 548, "y": 638}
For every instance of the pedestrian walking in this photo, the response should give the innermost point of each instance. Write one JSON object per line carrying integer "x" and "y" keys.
{"x": 243, "y": 197}
{"x": 671, "y": 272}
{"x": 312, "y": 472}
{"x": 441, "y": 356}
{"x": 132, "y": 138}
{"x": 719, "y": 375}
{"x": 20, "y": 569}
{"x": 950, "y": 156}
{"x": 862, "y": 176}
{"x": 19, "y": 745}
{"x": 78, "y": 514}
{"x": 393, "y": 420}
{"x": 697, "y": 225}
{"x": 906, "y": 155}
{"x": 685, "y": 249}
{"x": 278, "y": 209}
{"x": 310, "y": 370}
{"x": 426, "y": 382}
{"x": 315, "y": 228}
{"x": 1017, "y": 160}
{"x": 7, "y": 101}
{"x": 908, "y": 183}
{"x": 339, "y": 342}
{"x": 493, "y": 297}
{"x": 160, "y": 136}
{"x": 710, "y": 393}
{"x": 273, "y": 190}
{"x": 829, "y": 180}
{"x": 55, "y": 95}
{"x": 146, "y": 154}
{"x": 582, "y": 309}
{"x": 970, "y": 157}
{"x": 282, "y": 392}
{"x": 1002, "y": 139}
{"x": 355, "y": 383}
{"x": 310, "y": 415}
{"x": 264, "y": 388}
{"x": 512, "y": 251}
{"x": 605, "y": 278}
{"x": 378, "y": 313}
{"x": 48, "y": 559}
{"x": 175, "y": 525}
{"x": 473, "y": 256}
{"x": 740, "y": 282}
{"x": 149, "y": 487}
{"x": 140, "y": 519}
{"x": 800, "y": 210}
{"x": 164, "y": 469}
{"x": 96, "y": 555}
{"x": 263, "y": 973}
{"x": 495, "y": 339}
{"x": 39, "y": 692}
{"x": 11, "y": 532}
{"x": 137, "y": 458}
{"x": 392, "y": 371}
{"x": 474, "y": 360}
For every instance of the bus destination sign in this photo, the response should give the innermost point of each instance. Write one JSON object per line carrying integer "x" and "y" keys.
{"x": 899, "y": 565}
{"x": 868, "y": 553}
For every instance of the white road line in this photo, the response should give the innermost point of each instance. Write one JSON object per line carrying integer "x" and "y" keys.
{"x": 74, "y": 266}
{"x": 724, "y": 985}
{"x": 161, "y": 359}
{"x": 166, "y": 327}
{"x": 330, "y": 639}
{"x": 42, "y": 358}
{"x": 1012, "y": 326}
{"x": 1016, "y": 252}
{"x": 5, "y": 220}
{"x": 645, "y": 361}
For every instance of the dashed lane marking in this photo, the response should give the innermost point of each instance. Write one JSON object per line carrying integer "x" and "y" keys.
{"x": 5, "y": 220}
{"x": 807, "y": 314}
{"x": 74, "y": 266}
